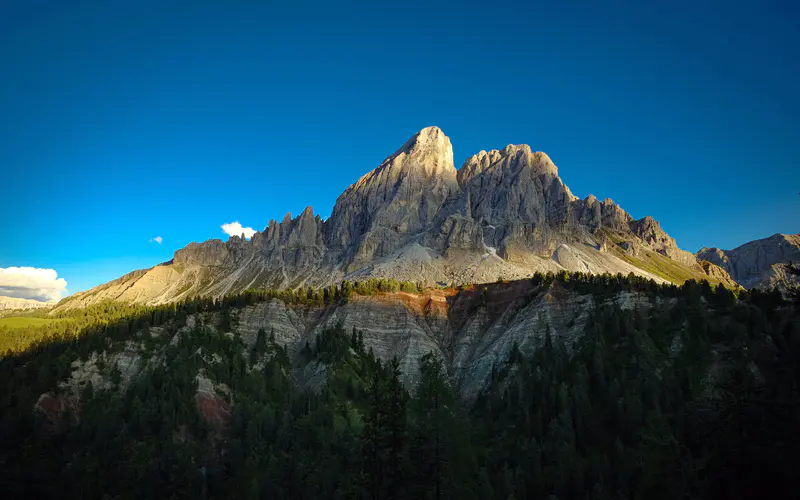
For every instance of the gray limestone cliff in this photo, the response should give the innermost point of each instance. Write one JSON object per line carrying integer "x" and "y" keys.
{"x": 759, "y": 263}
{"x": 395, "y": 202}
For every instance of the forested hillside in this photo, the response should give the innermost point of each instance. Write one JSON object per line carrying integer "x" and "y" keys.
{"x": 694, "y": 396}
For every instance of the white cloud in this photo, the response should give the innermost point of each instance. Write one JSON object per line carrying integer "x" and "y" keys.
{"x": 157, "y": 239}
{"x": 32, "y": 283}
{"x": 236, "y": 229}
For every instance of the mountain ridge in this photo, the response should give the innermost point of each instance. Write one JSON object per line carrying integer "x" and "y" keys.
{"x": 758, "y": 263}
{"x": 17, "y": 303}
{"x": 503, "y": 215}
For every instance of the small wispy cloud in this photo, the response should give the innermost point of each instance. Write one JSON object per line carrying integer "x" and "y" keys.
{"x": 32, "y": 283}
{"x": 157, "y": 239}
{"x": 236, "y": 229}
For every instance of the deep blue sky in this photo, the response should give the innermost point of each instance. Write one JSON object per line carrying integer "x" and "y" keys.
{"x": 122, "y": 120}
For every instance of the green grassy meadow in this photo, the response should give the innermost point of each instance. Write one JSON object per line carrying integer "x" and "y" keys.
{"x": 22, "y": 322}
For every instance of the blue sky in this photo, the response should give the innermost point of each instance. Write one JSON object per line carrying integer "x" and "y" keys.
{"x": 125, "y": 120}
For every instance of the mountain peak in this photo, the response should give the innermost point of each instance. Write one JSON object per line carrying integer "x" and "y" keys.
{"x": 427, "y": 136}
{"x": 374, "y": 216}
{"x": 431, "y": 148}
{"x": 513, "y": 156}
{"x": 502, "y": 214}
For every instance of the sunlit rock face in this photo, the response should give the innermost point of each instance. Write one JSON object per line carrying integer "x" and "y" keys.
{"x": 23, "y": 304}
{"x": 503, "y": 215}
{"x": 394, "y": 203}
{"x": 760, "y": 263}
{"x": 649, "y": 231}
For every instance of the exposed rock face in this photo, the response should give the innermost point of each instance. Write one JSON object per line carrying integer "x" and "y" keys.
{"x": 211, "y": 402}
{"x": 472, "y": 330}
{"x": 510, "y": 200}
{"x": 714, "y": 272}
{"x": 649, "y": 231}
{"x": 515, "y": 184}
{"x": 504, "y": 215}
{"x": 23, "y": 304}
{"x": 781, "y": 277}
{"x": 399, "y": 199}
{"x": 759, "y": 263}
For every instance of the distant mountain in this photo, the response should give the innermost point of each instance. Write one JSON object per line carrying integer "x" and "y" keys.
{"x": 503, "y": 215}
{"x": 18, "y": 303}
{"x": 759, "y": 263}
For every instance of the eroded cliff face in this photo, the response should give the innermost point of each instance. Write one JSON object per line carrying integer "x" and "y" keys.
{"x": 473, "y": 330}
{"x": 504, "y": 214}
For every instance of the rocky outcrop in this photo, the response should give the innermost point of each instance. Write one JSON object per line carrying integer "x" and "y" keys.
{"x": 503, "y": 215}
{"x": 398, "y": 200}
{"x": 211, "y": 401}
{"x": 716, "y": 273}
{"x": 759, "y": 263}
{"x": 16, "y": 303}
{"x": 510, "y": 200}
{"x": 471, "y": 329}
{"x": 781, "y": 276}
{"x": 649, "y": 231}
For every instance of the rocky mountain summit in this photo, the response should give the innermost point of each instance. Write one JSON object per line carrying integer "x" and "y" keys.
{"x": 503, "y": 215}
{"x": 759, "y": 263}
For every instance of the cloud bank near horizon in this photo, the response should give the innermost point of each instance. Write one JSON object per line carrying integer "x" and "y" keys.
{"x": 32, "y": 283}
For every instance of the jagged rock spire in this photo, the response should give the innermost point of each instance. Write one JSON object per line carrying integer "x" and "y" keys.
{"x": 375, "y": 216}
